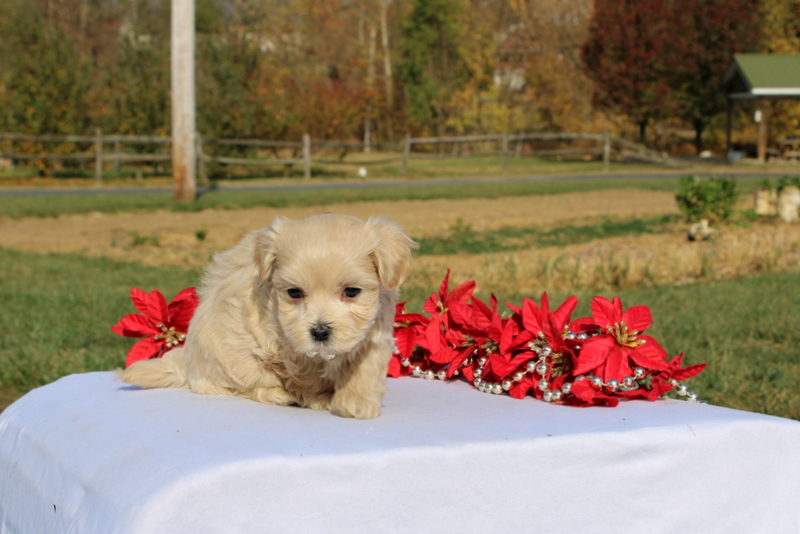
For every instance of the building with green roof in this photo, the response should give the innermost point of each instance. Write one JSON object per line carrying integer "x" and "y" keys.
{"x": 764, "y": 77}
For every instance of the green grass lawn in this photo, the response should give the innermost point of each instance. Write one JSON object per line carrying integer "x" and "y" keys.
{"x": 54, "y": 205}
{"x": 464, "y": 240}
{"x": 56, "y": 312}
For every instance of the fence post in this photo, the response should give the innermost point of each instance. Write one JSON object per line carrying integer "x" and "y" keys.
{"x": 518, "y": 149}
{"x": 98, "y": 156}
{"x": 117, "y": 148}
{"x": 505, "y": 152}
{"x": 306, "y": 156}
{"x": 606, "y": 150}
{"x": 406, "y": 153}
{"x": 201, "y": 159}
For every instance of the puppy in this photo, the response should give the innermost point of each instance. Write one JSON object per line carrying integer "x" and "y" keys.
{"x": 300, "y": 312}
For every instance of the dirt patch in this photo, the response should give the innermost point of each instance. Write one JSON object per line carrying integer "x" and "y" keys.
{"x": 190, "y": 239}
{"x": 172, "y": 238}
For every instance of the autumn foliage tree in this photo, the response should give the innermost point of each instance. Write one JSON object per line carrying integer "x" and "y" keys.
{"x": 624, "y": 56}
{"x": 655, "y": 59}
{"x": 710, "y": 32}
{"x": 431, "y": 64}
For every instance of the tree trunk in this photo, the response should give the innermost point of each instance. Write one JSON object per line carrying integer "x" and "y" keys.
{"x": 643, "y": 131}
{"x": 699, "y": 127}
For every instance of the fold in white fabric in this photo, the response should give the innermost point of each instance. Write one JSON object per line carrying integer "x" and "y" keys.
{"x": 89, "y": 454}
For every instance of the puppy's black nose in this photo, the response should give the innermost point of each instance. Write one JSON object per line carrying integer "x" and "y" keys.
{"x": 320, "y": 332}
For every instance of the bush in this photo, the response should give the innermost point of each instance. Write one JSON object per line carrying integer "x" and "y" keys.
{"x": 711, "y": 198}
{"x": 786, "y": 181}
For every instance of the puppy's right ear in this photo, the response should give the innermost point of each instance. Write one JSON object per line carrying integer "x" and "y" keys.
{"x": 265, "y": 250}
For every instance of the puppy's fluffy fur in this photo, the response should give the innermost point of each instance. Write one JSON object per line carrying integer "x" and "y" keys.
{"x": 300, "y": 312}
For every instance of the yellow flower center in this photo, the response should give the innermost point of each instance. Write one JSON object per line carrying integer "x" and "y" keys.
{"x": 623, "y": 337}
{"x": 171, "y": 337}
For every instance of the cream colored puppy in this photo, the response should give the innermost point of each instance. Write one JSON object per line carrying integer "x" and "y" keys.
{"x": 300, "y": 312}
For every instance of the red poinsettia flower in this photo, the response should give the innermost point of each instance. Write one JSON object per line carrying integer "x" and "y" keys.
{"x": 163, "y": 326}
{"x": 459, "y": 329}
{"x": 408, "y": 327}
{"x": 445, "y": 337}
{"x": 620, "y": 343}
{"x": 537, "y": 320}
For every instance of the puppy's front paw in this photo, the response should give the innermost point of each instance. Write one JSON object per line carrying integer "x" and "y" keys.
{"x": 356, "y": 407}
{"x": 319, "y": 402}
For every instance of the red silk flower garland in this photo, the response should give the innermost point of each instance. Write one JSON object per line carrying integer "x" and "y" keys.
{"x": 590, "y": 361}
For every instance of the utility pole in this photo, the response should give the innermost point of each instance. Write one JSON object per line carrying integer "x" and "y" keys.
{"x": 183, "y": 103}
{"x": 387, "y": 67}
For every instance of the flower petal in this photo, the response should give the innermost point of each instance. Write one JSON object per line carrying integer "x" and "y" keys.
{"x": 688, "y": 372}
{"x": 605, "y": 312}
{"x": 617, "y": 367}
{"x": 433, "y": 340}
{"x": 594, "y": 353}
{"x": 445, "y": 355}
{"x": 461, "y": 313}
{"x": 144, "y": 349}
{"x": 405, "y": 339}
{"x": 637, "y": 318}
{"x": 135, "y": 325}
{"x": 395, "y": 369}
{"x": 182, "y": 308}
{"x": 650, "y": 354}
{"x": 458, "y": 359}
{"x": 519, "y": 389}
{"x": 531, "y": 317}
{"x": 190, "y": 293}
{"x": 432, "y": 304}
{"x": 443, "y": 287}
{"x": 564, "y": 312}
{"x": 462, "y": 292}
{"x": 152, "y": 304}
{"x": 584, "y": 391}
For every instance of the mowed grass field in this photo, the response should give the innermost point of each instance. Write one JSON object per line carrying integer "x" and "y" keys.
{"x": 56, "y": 310}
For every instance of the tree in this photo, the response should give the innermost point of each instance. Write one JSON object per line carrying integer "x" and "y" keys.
{"x": 47, "y": 80}
{"x": 543, "y": 39}
{"x": 431, "y": 66}
{"x": 708, "y": 34}
{"x": 624, "y": 56}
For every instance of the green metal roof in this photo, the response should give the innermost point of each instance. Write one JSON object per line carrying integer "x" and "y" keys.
{"x": 763, "y": 75}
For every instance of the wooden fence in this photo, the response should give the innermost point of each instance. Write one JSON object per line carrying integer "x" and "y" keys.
{"x": 93, "y": 148}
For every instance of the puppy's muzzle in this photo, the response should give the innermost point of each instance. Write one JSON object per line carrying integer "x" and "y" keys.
{"x": 321, "y": 332}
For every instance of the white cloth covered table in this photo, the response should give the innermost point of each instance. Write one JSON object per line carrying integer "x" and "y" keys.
{"x": 89, "y": 454}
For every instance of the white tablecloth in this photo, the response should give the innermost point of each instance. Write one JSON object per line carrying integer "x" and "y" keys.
{"x": 88, "y": 454}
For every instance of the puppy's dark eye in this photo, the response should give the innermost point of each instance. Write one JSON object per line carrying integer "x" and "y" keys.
{"x": 295, "y": 293}
{"x": 351, "y": 292}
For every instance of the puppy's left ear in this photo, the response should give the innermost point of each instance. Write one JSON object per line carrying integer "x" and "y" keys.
{"x": 392, "y": 254}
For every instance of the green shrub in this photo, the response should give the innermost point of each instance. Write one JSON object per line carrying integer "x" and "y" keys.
{"x": 711, "y": 198}
{"x": 787, "y": 181}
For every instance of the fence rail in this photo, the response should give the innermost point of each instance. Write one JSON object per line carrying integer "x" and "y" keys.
{"x": 603, "y": 145}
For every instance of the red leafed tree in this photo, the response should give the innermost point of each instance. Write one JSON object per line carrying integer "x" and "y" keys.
{"x": 708, "y": 34}
{"x": 623, "y": 55}
{"x": 653, "y": 59}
